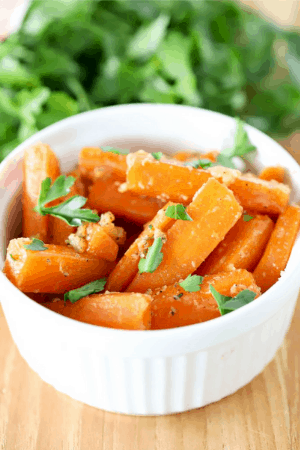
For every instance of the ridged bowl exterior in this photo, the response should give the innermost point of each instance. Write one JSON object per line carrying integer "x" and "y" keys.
{"x": 150, "y": 372}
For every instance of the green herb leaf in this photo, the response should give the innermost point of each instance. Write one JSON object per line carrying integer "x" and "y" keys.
{"x": 242, "y": 144}
{"x": 247, "y": 218}
{"x": 224, "y": 161}
{"x": 204, "y": 163}
{"x": 12, "y": 257}
{"x": 153, "y": 258}
{"x": 118, "y": 151}
{"x": 157, "y": 155}
{"x": 228, "y": 304}
{"x": 70, "y": 210}
{"x": 83, "y": 291}
{"x": 177, "y": 212}
{"x": 192, "y": 283}
{"x": 36, "y": 245}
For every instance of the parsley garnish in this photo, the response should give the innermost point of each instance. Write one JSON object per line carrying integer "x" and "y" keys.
{"x": 70, "y": 210}
{"x": 36, "y": 245}
{"x": 83, "y": 291}
{"x": 157, "y": 155}
{"x": 153, "y": 258}
{"x": 196, "y": 163}
{"x": 178, "y": 296}
{"x": 150, "y": 227}
{"x": 192, "y": 283}
{"x": 12, "y": 257}
{"x": 118, "y": 151}
{"x": 228, "y": 304}
{"x": 177, "y": 212}
{"x": 242, "y": 146}
{"x": 247, "y": 218}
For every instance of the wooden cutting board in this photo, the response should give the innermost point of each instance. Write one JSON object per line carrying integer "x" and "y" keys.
{"x": 264, "y": 415}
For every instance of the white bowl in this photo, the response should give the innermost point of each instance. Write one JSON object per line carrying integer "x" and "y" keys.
{"x": 146, "y": 372}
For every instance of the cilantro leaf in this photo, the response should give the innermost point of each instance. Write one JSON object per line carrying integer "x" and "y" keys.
{"x": 70, "y": 210}
{"x": 228, "y": 304}
{"x": 247, "y": 218}
{"x": 196, "y": 163}
{"x": 242, "y": 144}
{"x": 118, "y": 151}
{"x": 177, "y": 212}
{"x": 157, "y": 155}
{"x": 192, "y": 283}
{"x": 224, "y": 161}
{"x": 83, "y": 291}
{"x": 153, "y": 258}
{"x": 36, "y": 245}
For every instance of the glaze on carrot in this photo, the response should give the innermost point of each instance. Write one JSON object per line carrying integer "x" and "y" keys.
{"x": 279, "y": 248}
{"x": 241, "y": 248}
{"x": 113, "y": 310}
{"x": 214, "y": 211}
{"x": 39, "y": 163}
{"x": 105, "y": 196}
{"x": 127, "y": 267}
{"x": 174, "y": 307}
{"x": 55, "y": 270}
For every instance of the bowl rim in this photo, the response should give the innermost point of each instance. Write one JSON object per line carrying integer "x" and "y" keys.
{"x": 211, "y": 325}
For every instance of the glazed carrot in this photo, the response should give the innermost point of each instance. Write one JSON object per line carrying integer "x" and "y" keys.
{"x": 55, "y": 270}
{"x": 241, "y": 248}
{"x": 127, "y": 267}
{"x": 39, "y": 163}
{"x": 279, "y": 248}
{"x": 264, "y": 197}
{"x": 214, "y": 211}
{"x": 186, "y": 155}
{"x": 92, "y": 160}
{"x": 59, "y": 230}
{"x": 113, "y": 310}
{"x": 91, "y": 238}
{"x": 272, "y": 173}
{"x": 174, "y": 307}
{"x": 105, "y": 196}
{"x": 169, "y": 181}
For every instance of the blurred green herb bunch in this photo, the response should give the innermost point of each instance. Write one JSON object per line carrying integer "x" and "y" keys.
{"x": 72, "y": 55}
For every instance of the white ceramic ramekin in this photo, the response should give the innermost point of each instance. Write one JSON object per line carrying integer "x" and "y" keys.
{"x": 146, "y": 372}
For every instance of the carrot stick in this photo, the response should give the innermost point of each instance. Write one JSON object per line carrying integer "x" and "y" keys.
{"x": 59, "y": 230}
{"x": 105, "y": 196}
{"x": 39, "y": 163}
{"x": 92, "y": 160}
{"x": 241, "y": 248}
{"x": 55, "y": 270}
{"x": 278, "y": 250}
{"x": 127, "y": 267}
{"x": 264, "y": 197}
{"x": 214, "y": 211}
{"x": 174, "y": 307}
{"x": 169, "y": 181}
{"x": 114, "y": 310}
{"x": 272, "y": 173}
{"x": 91, "y": 238}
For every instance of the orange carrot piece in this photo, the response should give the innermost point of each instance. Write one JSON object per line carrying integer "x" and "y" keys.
{"x": 127, "y": 267}
{"x": 241, "y": 248}
{"x": 279, "y": 248}
{"x": 92, "y": 160}
{"x": 214, "y": 211}
{"x": 91, "y": 238}
{"x": 186, "y": 155}
{"x": 39, "y": 163}
{"x": 264, "y": 197}
{"x": 170, "y": 181}
{"x": 55, "y": 270}
{"x": 59, "y": 230}
{"x": 272, "y": 173}
{"x": 174, "y": 307}
{"x": 113, "y": 310}
{"x": 105, "y": 196}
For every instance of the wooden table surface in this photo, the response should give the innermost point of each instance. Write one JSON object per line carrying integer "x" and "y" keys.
{"x": 264, "y": 415}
